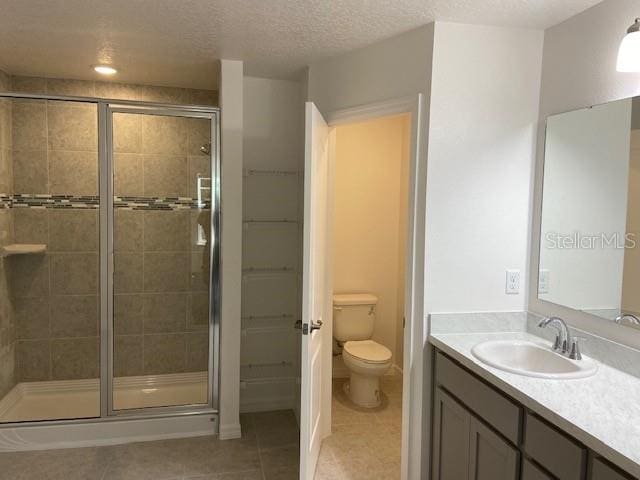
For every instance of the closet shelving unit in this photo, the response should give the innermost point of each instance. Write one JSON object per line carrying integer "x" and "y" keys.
{"x": 270, "y": 289}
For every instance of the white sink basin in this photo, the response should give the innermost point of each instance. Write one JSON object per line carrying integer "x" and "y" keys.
{"x": 532, "y": 359}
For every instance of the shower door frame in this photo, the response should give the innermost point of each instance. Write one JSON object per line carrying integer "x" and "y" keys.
{"x": 105, "y": 108}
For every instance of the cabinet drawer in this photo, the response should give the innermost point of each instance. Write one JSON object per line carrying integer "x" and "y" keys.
{"x": 553, "y": 450}
{"x": 496, "y": 410}
{"x": 531, "y": 472}
{"x": 602, "y": 471}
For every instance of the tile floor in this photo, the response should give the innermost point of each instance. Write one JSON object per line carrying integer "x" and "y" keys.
{"x": 268, "y": 451}
{"x": 365, "y": 444}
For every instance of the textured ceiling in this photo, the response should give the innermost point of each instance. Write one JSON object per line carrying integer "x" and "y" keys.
{"x": 173, "y": 42}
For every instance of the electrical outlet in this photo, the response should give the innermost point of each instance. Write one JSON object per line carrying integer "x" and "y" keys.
{"x": 543, "y": 282}
{"x": 513, "y": 282}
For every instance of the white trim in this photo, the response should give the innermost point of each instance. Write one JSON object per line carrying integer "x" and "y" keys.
{"x": 284, "y": 403}
{"x": 372, "y": 111}
{"x": 413, "y": 436}
{"x": 230, "y": 432}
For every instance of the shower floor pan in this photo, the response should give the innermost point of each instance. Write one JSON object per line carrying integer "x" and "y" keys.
{"x": 69, "y": 399}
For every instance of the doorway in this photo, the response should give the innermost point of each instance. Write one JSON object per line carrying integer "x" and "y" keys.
{"x": 321, "y": 393}
{"x": 370, "y": 208}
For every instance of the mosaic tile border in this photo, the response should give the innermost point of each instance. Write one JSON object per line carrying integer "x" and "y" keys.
{"x": 5, "y": 201}
{"x": 159, "y": 203}
{"x": 85, "y": 202}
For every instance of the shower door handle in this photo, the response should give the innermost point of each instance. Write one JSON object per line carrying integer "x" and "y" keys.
{"x": 309, "y": 328}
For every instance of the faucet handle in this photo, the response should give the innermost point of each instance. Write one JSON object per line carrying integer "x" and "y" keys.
{"x": 574, "y": 352}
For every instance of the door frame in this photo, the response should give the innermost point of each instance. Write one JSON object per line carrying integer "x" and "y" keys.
{"x": 414, "y": 330}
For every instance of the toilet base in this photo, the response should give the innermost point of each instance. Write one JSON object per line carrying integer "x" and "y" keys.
{"x": 363, "y": 390}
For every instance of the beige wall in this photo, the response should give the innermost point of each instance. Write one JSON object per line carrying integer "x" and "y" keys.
{"x": 371, "y": 188}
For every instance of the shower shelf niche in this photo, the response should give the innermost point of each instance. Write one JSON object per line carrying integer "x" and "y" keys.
{"x": 22, "y": 249}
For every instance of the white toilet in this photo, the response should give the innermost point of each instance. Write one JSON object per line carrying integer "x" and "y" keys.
{"x": 354, "y": 318}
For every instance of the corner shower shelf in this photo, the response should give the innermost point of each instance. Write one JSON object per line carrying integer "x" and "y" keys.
{"x": 22, "y": 249}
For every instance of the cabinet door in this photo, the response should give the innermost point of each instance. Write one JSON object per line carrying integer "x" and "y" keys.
{"x": 490, "y": 457}
{"x": 531, "y": 472}
{"x": 450, "y": 439}
{"x": 602, "y": 471}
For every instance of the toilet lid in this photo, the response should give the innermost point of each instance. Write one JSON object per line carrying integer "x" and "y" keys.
{"x": 368, "y": 351}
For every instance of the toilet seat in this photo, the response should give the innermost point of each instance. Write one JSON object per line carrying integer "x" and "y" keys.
{"x": 368, "y": 351}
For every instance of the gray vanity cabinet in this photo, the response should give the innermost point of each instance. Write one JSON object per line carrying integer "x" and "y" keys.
{"x": 602, "y": 471}
{"x": 531, "y": 472}
{"x": 465, "y": 448}
{"x": 452, "y": 432}
{"x": 480, "y": 433}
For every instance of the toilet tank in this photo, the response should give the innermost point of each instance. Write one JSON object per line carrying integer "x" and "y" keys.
{"x": 354, "y": 316}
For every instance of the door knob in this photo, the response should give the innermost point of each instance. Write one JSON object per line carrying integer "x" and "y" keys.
{"x": 306, "y": 328}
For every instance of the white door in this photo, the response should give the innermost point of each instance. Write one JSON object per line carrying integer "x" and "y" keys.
{"x": 314, "y": 294}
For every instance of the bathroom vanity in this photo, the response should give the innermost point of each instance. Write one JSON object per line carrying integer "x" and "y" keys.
{"x": 489, "y": 424}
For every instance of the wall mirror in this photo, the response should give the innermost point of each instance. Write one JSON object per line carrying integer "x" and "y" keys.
{"x": 590, "y": 226}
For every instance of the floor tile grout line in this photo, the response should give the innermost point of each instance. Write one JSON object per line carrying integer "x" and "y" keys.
{"x": 257, "y": 442}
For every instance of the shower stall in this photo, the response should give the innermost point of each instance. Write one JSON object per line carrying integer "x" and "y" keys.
{"x": 109, "y": 270}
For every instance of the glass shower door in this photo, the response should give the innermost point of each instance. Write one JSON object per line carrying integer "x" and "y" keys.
{"x": 49, "y": 277}
{"x": 162, "y": 336}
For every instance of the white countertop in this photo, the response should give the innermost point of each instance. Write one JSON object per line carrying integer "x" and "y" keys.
{"x": 602, "y": 411}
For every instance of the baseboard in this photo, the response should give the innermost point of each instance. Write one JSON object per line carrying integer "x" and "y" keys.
{"x": 265, "y": 394}
{"x": 267, "y": 405}
{"x": 229, "y": 432}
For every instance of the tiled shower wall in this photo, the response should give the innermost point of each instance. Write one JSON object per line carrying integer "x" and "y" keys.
{"x": 161, "y": 273}
{"x": 7, "y": 326}
{"x": 161, "y": 295}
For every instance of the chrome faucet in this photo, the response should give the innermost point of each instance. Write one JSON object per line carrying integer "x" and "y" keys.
{"x": 627, "y": 316}
{"x": 564, "y": 343}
